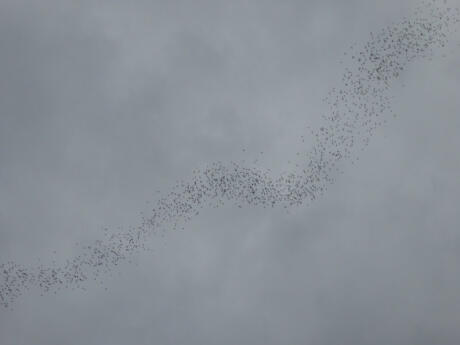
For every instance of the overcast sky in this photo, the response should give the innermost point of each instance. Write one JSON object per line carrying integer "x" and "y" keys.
{"x": 104, "y": 102}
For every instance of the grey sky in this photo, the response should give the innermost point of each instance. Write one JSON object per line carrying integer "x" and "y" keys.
{"x": 102, "y": 103}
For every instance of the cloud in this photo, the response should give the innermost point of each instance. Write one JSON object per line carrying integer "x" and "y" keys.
{"x": 87, "y": 145}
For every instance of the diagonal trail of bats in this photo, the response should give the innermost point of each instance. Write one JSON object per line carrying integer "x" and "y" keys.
{"x": 357, "y": 109}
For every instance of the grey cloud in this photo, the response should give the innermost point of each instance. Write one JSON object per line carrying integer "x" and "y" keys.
{"x": 102, "y": 103}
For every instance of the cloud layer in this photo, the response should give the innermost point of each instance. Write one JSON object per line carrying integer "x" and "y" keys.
{"x": 356, "y": 106}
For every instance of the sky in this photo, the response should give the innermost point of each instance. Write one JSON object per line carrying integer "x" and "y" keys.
{"x": 102, "y": 103}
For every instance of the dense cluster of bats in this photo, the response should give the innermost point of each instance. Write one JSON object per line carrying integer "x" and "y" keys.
{"x": 357, "y": 108}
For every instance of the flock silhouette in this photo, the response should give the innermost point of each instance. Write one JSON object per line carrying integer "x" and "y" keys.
{"x": 357, "y": 108}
